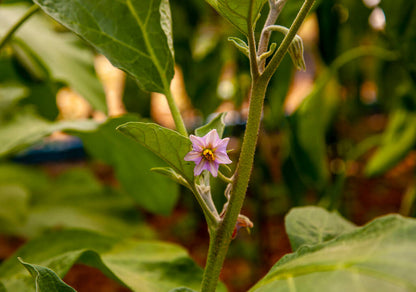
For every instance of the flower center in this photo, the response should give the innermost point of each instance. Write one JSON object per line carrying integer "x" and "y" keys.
{"x": 208, "y": 154}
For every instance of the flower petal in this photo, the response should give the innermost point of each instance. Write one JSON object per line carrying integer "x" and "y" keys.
{"x": 222, "y": 158}
{"x": 203, "y": 165}
{"x": 193, "y": 156}
{"x": 198, "y": 143}
{"x": 213, "y": 168}
{"x": 221, "y": 145}
{"x": 211, "y": 139}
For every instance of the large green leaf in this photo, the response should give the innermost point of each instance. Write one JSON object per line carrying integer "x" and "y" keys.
{"x": 381, "y": 256}
{"x": 45, "y": 279}
{"x": 132, "y": 164}
{"x": 313, "y": 225}
{"x": 145, "y": 266}
{"x": 26, "y": 128}
{"x": 238, "y": 11}
{"x": 46, "y": 52}
{"x": 133, "y": 34}
{"x": 167, "y": 144}
{"x": 31, "y": 202}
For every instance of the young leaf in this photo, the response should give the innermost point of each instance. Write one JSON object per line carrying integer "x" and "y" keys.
{"x": 52, "y": 54}
{"x": 238, "y": 11}
{"x": 142, "y": 266}
{"x": 132, "y": 164}
{"x": 133, "y": 34}
{"x": 45, "y": 279}
{"x": 217, "y": 123}
{"x": 167, "y": 144}
{"x": 314, "y": 225}
{"x": 381, "y": 256}
{"x": 240, "y": 45}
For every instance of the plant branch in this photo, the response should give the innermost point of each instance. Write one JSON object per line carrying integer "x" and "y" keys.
{"x": 274, "y": 12}
{"x": 284, "y": 46}
{"x": 252, "y": 45}
{"x": 177, "y": 118}
{"x": 221, "y": 238}
{"x": 32, "y": 10}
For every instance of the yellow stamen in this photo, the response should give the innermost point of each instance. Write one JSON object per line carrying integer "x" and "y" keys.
{"x": 208, "y": 154}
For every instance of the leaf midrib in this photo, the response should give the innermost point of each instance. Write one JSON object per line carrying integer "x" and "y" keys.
{"x": 165, "y": 83}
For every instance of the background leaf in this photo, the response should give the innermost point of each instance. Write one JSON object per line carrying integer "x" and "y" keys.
{"x": 145, "y": 266}
{"x": 31, "y": 202}
{"x": 132, "y": 35}
{"x": 377, "y": 257}
{"x": 314, "y": 225}
{"x": 26, "y": 128}
{"x": 398, "y": 139}
{"x": 58, "y": 55}
{"x": 132, "y": 164}
{"x": 45, "y": 279}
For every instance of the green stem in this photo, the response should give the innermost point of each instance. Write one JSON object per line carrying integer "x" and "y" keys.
{"x": 221, "y": 238}
{"x": 32, "y": 10}
{"x": 177, "y": 118}
{"x": 284, "y": 46}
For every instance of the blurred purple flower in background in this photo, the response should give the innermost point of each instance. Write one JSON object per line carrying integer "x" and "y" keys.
{"x": 208, "y": 152}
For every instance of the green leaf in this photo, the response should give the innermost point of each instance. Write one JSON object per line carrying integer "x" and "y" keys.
{"x": 132, "y": 165}
{"x": 45, "y": 279}
{"x": 400, "y": 23}
{"x": 58, "y": 55}
{"x": 398, "y": 139}
{"x": 14, "y": 201}
{"x": 238, "y": 11}
{"x": 308, "y": 129}
{"x": 167, "y": 144}
{"x": 380, "y": 256}
{"x": 31, "y": 202}
{"x": 314, "y": 225}
{"x": 133, "y": 34}
{"x": 10, "y": 94}
{"x": 26, "y": 128}
{"x": 216, "y": 123}
{"x": 145, "y": 266}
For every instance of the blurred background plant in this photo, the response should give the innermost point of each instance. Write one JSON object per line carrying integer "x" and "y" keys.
{"x": 340, "y": 135}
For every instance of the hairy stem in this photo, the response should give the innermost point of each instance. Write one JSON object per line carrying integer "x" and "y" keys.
{"x": 32, "y": 10}
{"x": 220, "y": 239}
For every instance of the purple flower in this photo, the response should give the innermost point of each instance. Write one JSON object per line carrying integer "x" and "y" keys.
{"x": 208, "y": 152}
